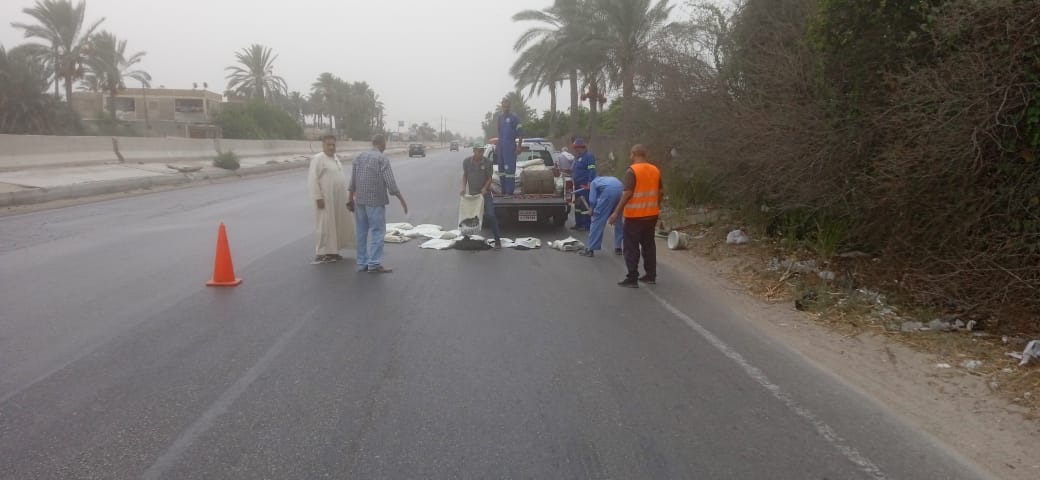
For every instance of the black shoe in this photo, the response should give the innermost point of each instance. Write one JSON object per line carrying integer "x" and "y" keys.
{"x": 648, "y": 280}
{"x": 498, "y": 244}
{"x": 629, "y": 283}
{"x": 587, "y": 253}
{"x": 618, "y": 251}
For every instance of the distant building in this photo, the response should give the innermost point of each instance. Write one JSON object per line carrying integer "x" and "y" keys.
{"x": 156, "y": 111}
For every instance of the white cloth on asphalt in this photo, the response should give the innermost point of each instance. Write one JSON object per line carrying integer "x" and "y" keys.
{"x": 334, "y": 224}
{"x": 569, "y": 244}
{"x": 437, "y": 244}
{"x": 527, "y": 243}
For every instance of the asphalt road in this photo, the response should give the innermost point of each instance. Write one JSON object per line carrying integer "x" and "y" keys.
{"x": 117, "y": 362}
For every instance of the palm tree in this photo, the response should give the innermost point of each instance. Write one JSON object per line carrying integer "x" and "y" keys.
{"x": 324, "y": 92}
{"x": 624, "y": 30}
{"x": 545, "y": 52}
{"x": 61, "y": 24}
{"x": 108, "y": 67}
{"x": 24, "y": 79}
{"x": 538, "y": 68}
{"x": 255, "y": 77}
{"x": 297, "y": 106}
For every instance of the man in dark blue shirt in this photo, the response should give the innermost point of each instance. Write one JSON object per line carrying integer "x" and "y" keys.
{"x": 510, "y": 136}
{"x": 584, "y": 174}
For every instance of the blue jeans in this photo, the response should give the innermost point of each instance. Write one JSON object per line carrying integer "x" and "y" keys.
{"x": 370, "y": 222}
{"x": 489, "y": 212}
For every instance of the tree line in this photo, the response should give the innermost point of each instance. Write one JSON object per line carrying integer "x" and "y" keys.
{"x": 907, "y": 130}
{"x": 66, "y": 50}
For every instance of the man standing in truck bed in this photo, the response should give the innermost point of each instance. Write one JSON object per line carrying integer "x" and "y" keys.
{"x": 510, "y": 136}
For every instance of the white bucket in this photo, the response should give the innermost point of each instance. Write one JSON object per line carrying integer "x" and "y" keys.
{"x": 678, "y": 240}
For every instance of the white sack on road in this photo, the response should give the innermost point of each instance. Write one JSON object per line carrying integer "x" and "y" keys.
{"x": 471, "y": 213}
{"x": 437, "y": 244}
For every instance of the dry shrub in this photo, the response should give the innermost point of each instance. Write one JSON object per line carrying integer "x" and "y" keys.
{"x": 934, "y": 167}
{"x": 955, "y": 190}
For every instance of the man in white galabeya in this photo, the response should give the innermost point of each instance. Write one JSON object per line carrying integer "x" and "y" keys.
{"x": 328, "y": 188}
{"x": 370, "y": 182}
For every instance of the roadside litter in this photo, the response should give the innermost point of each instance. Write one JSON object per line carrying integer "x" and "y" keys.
{"x": 737, "y": 237}
{"x": 971, "y": 364}
{"x": 1032, "y": 351}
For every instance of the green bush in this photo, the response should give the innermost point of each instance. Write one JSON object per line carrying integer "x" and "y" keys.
{"x": 227, "y": 160}
{"x": 258, "y": 121}
{"x": 830, "y": 236}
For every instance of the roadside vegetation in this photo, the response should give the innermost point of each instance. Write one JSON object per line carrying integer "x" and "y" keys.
{"x": 227, "y": 160}
{"x": 905, "y": 131}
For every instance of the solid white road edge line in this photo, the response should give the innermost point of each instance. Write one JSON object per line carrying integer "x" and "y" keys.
{"x": 758, "y": 376}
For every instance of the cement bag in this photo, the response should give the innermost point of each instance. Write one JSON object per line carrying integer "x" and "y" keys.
{"x": 538, "y": 181}
{"x": 437, "y": 244}
{"x": 399, "y": 226}
{"x": 471, "y": 213}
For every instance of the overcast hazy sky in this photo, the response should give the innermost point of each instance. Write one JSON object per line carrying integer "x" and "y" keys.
{"x": 424, "y": 58}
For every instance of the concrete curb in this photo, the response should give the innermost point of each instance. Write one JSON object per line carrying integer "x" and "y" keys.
{"x": 92, "y": 189}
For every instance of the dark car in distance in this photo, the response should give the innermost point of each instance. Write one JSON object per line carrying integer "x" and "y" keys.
{"x": 416, "y": 150}
{"x": 454, "y": 147}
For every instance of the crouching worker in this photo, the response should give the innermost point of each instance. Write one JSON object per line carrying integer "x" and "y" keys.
{"x": 604, "y": 195}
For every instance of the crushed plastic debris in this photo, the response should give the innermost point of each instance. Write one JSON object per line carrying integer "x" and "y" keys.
{"x": 943, "y": 365}
{"x": 971, "y": 364}
{"x": 826, "y": 275}
{"x": 1032, "y": 351}
{"x": 737, "y": 237}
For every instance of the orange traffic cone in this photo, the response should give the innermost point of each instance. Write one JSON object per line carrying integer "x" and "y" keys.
{"x": 223, "y": 270}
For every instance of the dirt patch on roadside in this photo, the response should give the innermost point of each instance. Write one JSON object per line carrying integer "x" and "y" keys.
{"x": 989, "y": 412}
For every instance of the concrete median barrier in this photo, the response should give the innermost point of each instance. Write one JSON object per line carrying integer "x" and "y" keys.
{"x": 19, "y": 152}
{"x": 81, "y": 185}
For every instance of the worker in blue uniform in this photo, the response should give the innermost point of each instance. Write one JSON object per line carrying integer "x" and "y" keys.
{"x": 510, "y": 137}
{"x": 584, "y": 174}
{"x": 604, "y": 195}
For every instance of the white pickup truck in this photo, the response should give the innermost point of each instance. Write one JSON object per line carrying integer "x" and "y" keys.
{"x": 548, "y": 195}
